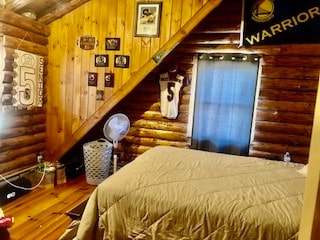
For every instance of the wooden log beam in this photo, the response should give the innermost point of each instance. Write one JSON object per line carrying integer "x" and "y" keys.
{"x": 284, "y": 117}
{"x": 16, "y": 43}
{"x": 280, "y": 148}
{"x": 20, "y": 131}
{"x": 298, "y": 107}
{"x": 217, "y": 38}
{"x": 25, "y": 161}
{"x": 22, "y": 141}
{"x": 158, "y": 134}
{"x": 134, "y": 149}
{"x": 276, "y": 156}
{"x": 151, "y": 142}
{"x": 299, "y": 85}
{"x": 12, "y": 154}
{"x": 19, "y": 21}
{"x": 286, "y": 139}
{"x": 292, "y": 61}
{"x": 161, "y": 125}
{"x": 286, "y": 128}
{"x": 155, "y": 115}
{"x": 7, "y": 77}
{"x": 60, "y": 10}
{"x": 14, "y": 5}
{"x": 13, "y": 31}
{"x": 283, "y": 95}
{"x": 301, "y": 73}
{"x": 23, "y": 120}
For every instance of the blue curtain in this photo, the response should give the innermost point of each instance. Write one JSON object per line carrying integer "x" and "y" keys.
{"x": 224, "y": 101}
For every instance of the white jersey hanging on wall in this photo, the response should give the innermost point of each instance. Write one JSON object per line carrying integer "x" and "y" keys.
{"x": 28, "y": 79}
{"x": 170, "y": 85}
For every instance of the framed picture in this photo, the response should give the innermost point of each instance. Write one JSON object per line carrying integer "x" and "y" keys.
{"x": 121, "y": 61}
{"x": 109, "y": 80}
{"x": 148, "y": 17}
{"x": 112, "y": 43}
{"x": 100, "y": 95}
{"x": 87, "y": 42}
{"x": 92, "y": 79}
{"x": 101, "y": 60}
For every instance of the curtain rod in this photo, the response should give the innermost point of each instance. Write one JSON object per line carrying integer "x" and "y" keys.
{"x": 229, "y": 56}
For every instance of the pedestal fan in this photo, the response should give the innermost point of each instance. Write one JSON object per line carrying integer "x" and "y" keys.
{"x": 114, "y": 129}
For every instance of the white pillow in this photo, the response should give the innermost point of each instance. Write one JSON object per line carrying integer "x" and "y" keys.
{"x": 304, "y": 170}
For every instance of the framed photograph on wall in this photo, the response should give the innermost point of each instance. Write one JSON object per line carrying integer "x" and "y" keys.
{"x": 101, "y": 60}
{"x": 112, "y": 43}
{"x": 121, "y": 61}
{"x": 109, "y": 79}
{"x": 100, "y": 95}
{"x": 148, "y": 15}
{"x": 92, "y": 79}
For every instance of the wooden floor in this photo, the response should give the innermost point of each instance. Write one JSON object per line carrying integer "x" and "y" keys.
{"x": 40, "y": 214}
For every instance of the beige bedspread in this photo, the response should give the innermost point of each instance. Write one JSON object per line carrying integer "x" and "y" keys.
{"x": 173, "y": 193}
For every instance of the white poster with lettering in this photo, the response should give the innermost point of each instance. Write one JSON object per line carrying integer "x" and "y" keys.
{"x": 27, "y": 79}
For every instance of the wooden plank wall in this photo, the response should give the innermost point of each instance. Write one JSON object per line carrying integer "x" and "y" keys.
{"x": 285, "y": 105}
{"x": 72, "y": 101}
{"x": 22, "y": 131}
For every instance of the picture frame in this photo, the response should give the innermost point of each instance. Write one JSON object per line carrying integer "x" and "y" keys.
{"x": 121, "y": 61}
{"x": 148, "y": 16}
{"x": 92, "y": 79}
{"x": 109, "y": 80}
{"x": 100, "y": 95}
{"x": 112, "y": 43}
{"x": 101, "y": 60}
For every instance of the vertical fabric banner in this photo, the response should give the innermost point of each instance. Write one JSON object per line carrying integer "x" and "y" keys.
{"x": 267, "y": 22}
{"x": 28, "y": 79}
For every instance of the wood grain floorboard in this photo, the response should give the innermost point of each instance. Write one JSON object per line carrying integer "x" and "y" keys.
{"x": 40, "y": 214}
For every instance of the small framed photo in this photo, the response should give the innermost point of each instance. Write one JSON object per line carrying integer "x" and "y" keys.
{"x": 100, "y": 95}
{"x": 101, "y": 60}
{"x": 92, "y": 79}
{"x": 148, "y": 15}
{"x": 109, "y": 79}
{"x": 121, "y": 61}
{"x": 112, "y": 43}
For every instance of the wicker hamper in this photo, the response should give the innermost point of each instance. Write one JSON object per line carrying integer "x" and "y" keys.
{"x": 97, "y": 157}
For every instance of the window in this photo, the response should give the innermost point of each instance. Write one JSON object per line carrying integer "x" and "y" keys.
{"x": 224, "y": 102}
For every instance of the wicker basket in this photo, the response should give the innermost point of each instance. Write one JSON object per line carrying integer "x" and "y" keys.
{"x": 97, "y": 157}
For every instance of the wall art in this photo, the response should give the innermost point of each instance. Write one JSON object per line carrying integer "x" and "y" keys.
{"x": 121, "y": 61}
{"x": 112, "y": 43}
{"x": 92, "y": 79}
{"x": 101, "y": 60}
{"x": 109, "y": 79}
{"x": 148, "y": 17}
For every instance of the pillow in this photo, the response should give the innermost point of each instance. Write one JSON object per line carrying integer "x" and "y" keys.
{"x": 304, "y": 170}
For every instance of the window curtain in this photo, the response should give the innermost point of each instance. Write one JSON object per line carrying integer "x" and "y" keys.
{"x": 224, "y": 102}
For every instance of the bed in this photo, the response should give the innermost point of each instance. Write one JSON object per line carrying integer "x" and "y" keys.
{"x": 175, "y": 193}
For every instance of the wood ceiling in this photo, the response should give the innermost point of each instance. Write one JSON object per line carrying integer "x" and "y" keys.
{"x": 45, "y": 11}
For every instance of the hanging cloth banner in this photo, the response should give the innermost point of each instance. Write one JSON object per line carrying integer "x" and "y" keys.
{"x": 267, "y": 22}
{"x": 28, "y": 79}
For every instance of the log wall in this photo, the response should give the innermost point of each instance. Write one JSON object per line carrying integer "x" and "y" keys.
{"x": 142, "y": 106}
{"x": 285, "y": 104}
{"x": 22, "y": 131}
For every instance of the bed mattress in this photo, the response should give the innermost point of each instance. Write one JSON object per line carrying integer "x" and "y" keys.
{"x": 174, "y": 193}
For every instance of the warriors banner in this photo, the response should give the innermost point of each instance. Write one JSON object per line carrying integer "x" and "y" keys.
{"x": 28, "y": 79}
{"x": 267, "y": 22}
